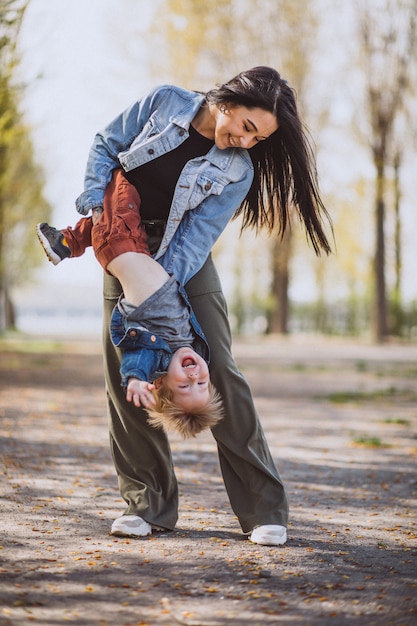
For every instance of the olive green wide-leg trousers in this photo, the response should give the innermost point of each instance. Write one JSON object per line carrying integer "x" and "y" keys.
{"x": 142, "y": 455}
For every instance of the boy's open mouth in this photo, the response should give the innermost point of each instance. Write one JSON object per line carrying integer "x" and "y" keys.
{"x": 188, "y": 362}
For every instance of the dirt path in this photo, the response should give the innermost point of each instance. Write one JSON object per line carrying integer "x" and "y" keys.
{"x": 341, "y": 420}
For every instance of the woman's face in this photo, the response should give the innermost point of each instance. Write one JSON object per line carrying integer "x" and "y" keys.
{"x": 240, "y": 127}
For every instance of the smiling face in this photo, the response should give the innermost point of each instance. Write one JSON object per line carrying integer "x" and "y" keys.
{"x": 188, "y": 379}
{"x": 240, "y": 127}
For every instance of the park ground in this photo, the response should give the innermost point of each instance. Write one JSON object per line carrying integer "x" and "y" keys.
{"x": 341, "y": 421}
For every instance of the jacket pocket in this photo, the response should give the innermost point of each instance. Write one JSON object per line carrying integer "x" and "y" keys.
{"x": 204, "y": 187}
{"x": 149, "y": 130}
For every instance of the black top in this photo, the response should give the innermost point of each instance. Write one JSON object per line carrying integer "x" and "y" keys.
{"x": 156, "y": 180}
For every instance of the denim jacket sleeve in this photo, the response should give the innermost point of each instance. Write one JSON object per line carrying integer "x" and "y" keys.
{"x": 113, "y": 139}
{"x": 144, "y": 355}
{"x": 209, "y": 190}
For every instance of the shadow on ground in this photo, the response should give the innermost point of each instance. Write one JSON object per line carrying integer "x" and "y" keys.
{"x": 349, "y": 466}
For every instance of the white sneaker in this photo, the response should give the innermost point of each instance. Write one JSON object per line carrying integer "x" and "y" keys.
{"x": 269, "y": 535}
{"x": 130, "y": 526}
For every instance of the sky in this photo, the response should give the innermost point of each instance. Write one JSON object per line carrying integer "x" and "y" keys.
{"x": 74, "y": 88}
{"x": 83, "y": 63}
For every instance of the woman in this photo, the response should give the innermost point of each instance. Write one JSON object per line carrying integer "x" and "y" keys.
{"x": 198, "y": 160}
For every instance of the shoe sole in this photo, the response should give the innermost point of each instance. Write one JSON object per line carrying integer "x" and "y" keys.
{"x": 121, "y": 533}
{"x": 121, "y": 529}
{"x": 52, "y": 256}
{"x": 270, "y": 542}
{"x": 266, "y": 540}
{"x": 125, "y": 533}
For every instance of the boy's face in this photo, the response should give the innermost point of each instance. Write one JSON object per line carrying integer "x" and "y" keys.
{"x": 188, "y": 379}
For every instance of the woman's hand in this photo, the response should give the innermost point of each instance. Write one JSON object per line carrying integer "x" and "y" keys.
{"x": 96, "y": 214}
{"x": 140, "y": 393}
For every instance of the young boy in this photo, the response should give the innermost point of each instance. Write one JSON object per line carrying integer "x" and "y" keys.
{"x": 164, "y": 351}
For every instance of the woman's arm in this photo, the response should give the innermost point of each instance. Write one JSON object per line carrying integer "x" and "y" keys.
{"x": 108, "y": 143}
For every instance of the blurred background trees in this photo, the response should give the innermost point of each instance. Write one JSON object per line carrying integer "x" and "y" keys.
{"x": 204, "y": 44}
{"x": 353, "y": 65}
{"x": 209, "y": 43}
{"x": 22, "y": 203}
{"x": 387, "y": 36}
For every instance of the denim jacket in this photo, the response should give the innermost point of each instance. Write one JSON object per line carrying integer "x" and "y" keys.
{"x": 145, "y": 355}
{"x": 208, "y": 192}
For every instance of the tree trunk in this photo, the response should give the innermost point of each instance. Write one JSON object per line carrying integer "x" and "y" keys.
{"x": 397, "y": 231}
{"x": 380, "y": 304}
{"x": 396, "y": 321}
{"x": 281, "y": 253}
{"x": 3, "y": 293}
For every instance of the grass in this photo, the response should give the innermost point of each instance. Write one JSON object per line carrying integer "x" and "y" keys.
{"x": 16, "y": 342}
{"x": 340, "y": 397}
{"x": 369, "y": 442}
{"x": 397, "y": 420}
{"x": 21, "y": 343}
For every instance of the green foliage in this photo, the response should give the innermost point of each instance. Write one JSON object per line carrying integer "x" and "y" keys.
{"x": 369, "y": 442}
{"x": 400, "y": 421}
{"x": 22, "y": 203}
{"x": 198, "y": 40}
{"x": 204, "y": 43}
{"x": 388, "y": 45}
{"x": 390, "y": 394}
{"x": 340, "y": 397}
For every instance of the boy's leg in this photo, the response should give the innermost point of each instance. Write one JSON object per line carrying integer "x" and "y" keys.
{"x": 119, "y": 228}
{"x": 256, "y": 492}
{"x": 78, "y": 238}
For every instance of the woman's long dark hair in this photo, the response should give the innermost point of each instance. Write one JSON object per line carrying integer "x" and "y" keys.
{"x": 284, "y": 164}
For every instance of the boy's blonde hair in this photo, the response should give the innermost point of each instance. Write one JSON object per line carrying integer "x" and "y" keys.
{"x": 165, "y": 414}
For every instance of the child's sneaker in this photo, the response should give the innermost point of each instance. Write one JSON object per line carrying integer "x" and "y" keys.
{"x": 52, "y": 241}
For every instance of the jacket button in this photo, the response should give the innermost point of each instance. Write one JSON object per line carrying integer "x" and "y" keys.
{"x": 207, "y": 186}
{"x": 151, "y": 151}
{"x": 153, "y": 338}
{"x": 132, "y": 333}
{"x": 181, "y": 133}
